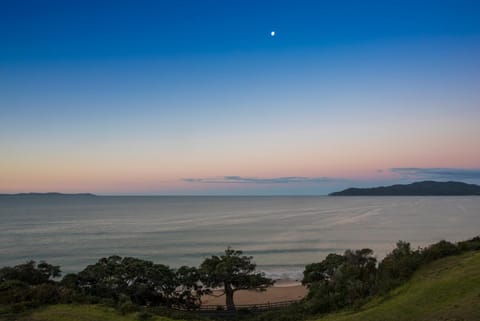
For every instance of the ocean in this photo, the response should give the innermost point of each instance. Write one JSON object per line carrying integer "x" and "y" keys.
{"x": 281, "y": 233}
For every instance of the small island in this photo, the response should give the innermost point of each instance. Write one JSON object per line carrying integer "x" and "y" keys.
{"x": 424, "y": 188}
{"x": 49, "y": 194}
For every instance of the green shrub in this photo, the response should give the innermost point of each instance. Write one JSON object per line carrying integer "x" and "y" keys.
{"x": 144, "y": 315}
{"x": 469, "y": 245}
{"x": 439, "y": 250}
{"x": 127, "y": 308}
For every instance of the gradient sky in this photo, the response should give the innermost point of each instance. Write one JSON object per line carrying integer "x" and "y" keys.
{"x": 196, "y": 97}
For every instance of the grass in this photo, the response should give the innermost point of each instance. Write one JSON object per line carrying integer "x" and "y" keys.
{"x": 74, "y": 312}
{"x": 445, "y": 290}
{"x": 448, "y": 289}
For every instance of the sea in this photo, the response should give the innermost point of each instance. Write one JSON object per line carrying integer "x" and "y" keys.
{"x": 282, "y": 233}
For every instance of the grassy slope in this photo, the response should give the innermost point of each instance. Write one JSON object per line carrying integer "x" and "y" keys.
{"x": 73, "y": 312}
{"x": 448, "y": 289}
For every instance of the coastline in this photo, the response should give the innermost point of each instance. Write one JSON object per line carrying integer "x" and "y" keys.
{"x": 282, "y": 290}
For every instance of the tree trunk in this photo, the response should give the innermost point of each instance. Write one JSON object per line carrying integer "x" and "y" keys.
{"x": 229, "y": 297}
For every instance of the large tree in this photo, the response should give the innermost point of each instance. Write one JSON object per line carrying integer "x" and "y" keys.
{"x": 29, "y": 284}
{"x": 232, "y": 271}
{"x": 340, "y": 280}
{"x": 31, "y": 273}
{"x": 144, "y": 282}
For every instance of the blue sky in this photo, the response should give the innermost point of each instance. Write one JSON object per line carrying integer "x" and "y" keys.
{"x": 101, "y": 30}
{"x": 159, "y": 97}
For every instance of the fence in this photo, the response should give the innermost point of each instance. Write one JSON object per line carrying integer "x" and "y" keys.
{"x": 222, "y": 309}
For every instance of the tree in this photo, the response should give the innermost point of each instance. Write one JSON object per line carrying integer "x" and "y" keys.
{"x": 190, "y": 289}
{"x": 143, "y": 282}
{"x": 438, "y": 250}
{"x": 397, "y": 266}
{"x": 31, "y": 273}
{"x": 233, "y": 272}
{"x": 29, "y": 283}
{"x": 322, "y": 271}
{"x": 340, "y": 280}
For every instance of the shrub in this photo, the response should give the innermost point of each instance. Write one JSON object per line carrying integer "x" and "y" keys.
{"x": 30, "y": 273}
{"x": 340, "y": 280}
{"x": 469, "y": 245}
{"x": 127, "y": 308}
{"x": 144, "y": 315}
{"x": 45, "y": 294}
{"x": 438, "y": 250}
{"x": 397, "y": 266}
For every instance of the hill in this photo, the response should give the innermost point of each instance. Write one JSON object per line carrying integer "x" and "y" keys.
{"x": 50, "y": 194}
{"x": 74, "y": 312}
{"x": 425, "y": 188}
{"x": 447, "y": 289}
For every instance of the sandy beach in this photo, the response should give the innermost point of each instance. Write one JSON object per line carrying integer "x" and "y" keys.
{"x": 283, "y": 290}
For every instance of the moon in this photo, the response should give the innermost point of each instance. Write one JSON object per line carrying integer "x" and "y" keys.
{"x": 272, "y": 33}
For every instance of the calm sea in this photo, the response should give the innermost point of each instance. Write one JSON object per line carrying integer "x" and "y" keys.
{"x": 282, "y": 233}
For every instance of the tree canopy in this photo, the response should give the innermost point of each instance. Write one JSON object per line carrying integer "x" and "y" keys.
{"x": 30, "y": 273}
{"x": 130, "y": 284}
{"x": 142, "y": 282}
{"x": 340, "y": 280}
{"x": 232, "y": 271}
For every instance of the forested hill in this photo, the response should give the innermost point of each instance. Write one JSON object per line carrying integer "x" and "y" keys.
{"x": 50, "y": 194}
{"x": 425, "y": 188}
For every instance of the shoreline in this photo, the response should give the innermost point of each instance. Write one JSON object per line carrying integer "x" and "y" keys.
{"x": 282, "y": 290}
{"x": 280, "y": 283}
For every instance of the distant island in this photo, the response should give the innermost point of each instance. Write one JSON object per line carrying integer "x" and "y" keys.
{"x": 55, "y": 194}
{"x": 424, "y": 188}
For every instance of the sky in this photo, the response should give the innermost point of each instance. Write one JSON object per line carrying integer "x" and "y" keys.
{"x": 197, "y": 98}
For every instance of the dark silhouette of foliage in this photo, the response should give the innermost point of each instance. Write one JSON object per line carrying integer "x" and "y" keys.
{"x": 469, "y": 245}
{"x": 13, "y": 291}
{"x": 190, "y": 289}
{"x": 141, "y": 282}
{"x": 323, "y": 271}
{"x": 130, "y": 284}
{"x": 414, "y": 189}
{"x": 340, "y": 280}
{"x": 398, "y": 266}
{"x": 29, "y": 284}
{"x": 348, "y": 280}
{"x": 233, "y": 272}
{"x": 30, "y": 273}
{"x": 438, "y": 250}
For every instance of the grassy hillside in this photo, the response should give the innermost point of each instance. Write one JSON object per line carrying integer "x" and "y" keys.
{"x": 448, "y": 289}
{"x": 74, "y": 312}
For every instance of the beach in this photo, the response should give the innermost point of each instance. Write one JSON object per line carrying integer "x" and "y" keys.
{"x": 282, "y": 290}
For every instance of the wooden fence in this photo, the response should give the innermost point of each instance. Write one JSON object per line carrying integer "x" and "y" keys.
{"x": 253, "y": 308}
